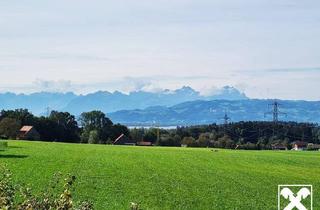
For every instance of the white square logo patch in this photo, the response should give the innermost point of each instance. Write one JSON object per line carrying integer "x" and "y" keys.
{"x": 292, "y": 197}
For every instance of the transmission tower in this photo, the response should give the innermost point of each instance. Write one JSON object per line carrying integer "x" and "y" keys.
{"x": 226, "y": 118}
{"x": 48, "y": 110}
{"x": 275, "y": 111}
{"x": 157, "y": 126}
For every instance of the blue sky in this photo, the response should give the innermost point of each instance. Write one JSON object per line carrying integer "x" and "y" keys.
{"x": 267, "y": 48}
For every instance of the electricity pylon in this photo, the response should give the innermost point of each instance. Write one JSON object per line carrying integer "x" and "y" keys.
{"x": 275, "y": 111}
{"x": 226, "y": 118}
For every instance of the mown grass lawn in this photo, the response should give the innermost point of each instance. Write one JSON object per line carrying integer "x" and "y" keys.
{"x": 165, "y": 178}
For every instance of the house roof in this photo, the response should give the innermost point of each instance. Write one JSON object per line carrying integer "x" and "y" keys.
{"x": 26, "y": 128}
{"x": 300, "y": 143}
{"x": 144, "y": 143}
{"x": 115, "y": 141}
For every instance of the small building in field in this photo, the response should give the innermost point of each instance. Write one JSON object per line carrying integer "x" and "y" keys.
{"x": 299, "y": 145}
{"x": 278, "y": 146}
{"x": 144, "y": 143}
{"x": 28, "y": 133}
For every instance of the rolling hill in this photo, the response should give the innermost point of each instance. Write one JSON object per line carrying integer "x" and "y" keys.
{"x": 206, "y": 112}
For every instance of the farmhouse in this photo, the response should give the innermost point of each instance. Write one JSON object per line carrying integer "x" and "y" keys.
{"x": 299, "y": 145}
{"x": 28, "y": 133}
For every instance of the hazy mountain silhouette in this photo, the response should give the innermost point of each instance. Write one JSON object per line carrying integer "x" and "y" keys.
{"x": 109, "y": 102}
{"x": 37, "y": 103}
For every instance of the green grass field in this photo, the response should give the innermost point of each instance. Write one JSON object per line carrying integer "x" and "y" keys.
{"x": 165, "y": 178}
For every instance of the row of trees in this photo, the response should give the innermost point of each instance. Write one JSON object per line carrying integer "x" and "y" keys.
{"x": 243, "y": 135}
{"x": 93, "y": 127}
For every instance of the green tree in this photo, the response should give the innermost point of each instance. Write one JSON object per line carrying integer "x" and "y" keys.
{"x": 151, "y": 135}
{"x": 67, "y": 126}
{"x": 117, "y": 130}
{"x": 96, "y": 121}
{"x": 9, "y": 127}
{"x": 189, "y": 141}
{"x": 93, "y": 137}
{"x": 21, "y": 115}
{"x": 136, "y": 134}
{"x": 204, "y": 140}
{"x": 170, "y": 140}
{"x": 225, "y": 142}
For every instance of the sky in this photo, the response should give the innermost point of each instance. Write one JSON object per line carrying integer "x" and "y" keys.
{"x": 266, "y": 48}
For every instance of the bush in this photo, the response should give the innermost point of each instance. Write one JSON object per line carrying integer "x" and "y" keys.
{"x": 188, "y": 141}
{"x": 10, "y": 194}
{"x": 7, "y": 190}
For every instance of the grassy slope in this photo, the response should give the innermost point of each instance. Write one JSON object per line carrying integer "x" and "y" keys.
{"x": 166, "y": 178}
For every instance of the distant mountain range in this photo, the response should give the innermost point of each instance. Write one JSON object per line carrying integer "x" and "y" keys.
{"x": 206, "y": 112}
{"x": 38, "y": 103}
{"x": 183, "y": 106}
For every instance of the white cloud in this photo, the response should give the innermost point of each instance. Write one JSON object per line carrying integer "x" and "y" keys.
{"x": 52, "y": 86}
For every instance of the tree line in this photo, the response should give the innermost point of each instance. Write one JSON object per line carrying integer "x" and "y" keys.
{"x": 242, "y": 135}
{"x": 91, "y": 127}
{"x": 96, "y": 128}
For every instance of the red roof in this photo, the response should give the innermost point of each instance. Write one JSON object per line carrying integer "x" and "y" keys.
{"x": 115, "y": 141}
{"x": 300, "y": 143}
{"x": 145, "y": 143}
{"x": 26, "y": 128}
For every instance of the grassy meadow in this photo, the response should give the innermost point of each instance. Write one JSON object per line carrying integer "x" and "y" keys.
{"x": 165, "y": 178}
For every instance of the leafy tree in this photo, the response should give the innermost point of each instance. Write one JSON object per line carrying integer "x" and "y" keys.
{"x": 204, "y": 140}
{"x": 151, "y": 135}
{"x": 48, "y": 129}
{"x": 9, "y": 127}
{"x": 93, "y": 137}
{"x": 137, "y": 134}
{"x": 117, "y": 130}
{"x": 96, "y": 120}
{"x": 170, "y": 140}
{"x": 225, "y": 142}
{"x": 67, "y": 126}
{"x": 22, "y": 115}
{"x": 189, "y": 141}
